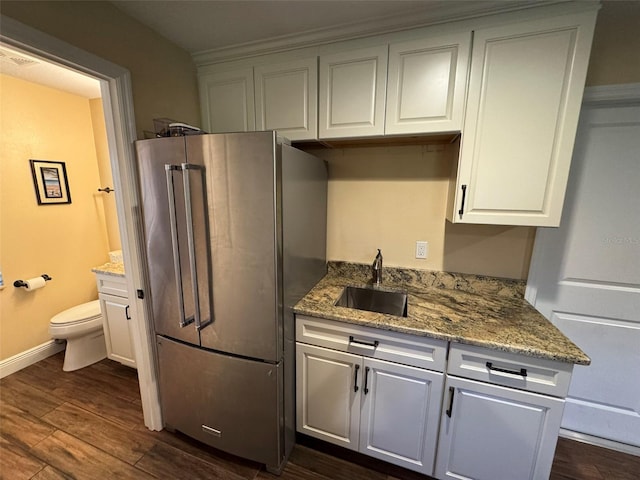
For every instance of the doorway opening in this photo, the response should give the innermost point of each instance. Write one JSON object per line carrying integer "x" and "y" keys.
{"x": 115, "y": 88}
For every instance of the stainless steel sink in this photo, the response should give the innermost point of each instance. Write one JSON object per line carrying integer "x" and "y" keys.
{"x": 374, "y": 300}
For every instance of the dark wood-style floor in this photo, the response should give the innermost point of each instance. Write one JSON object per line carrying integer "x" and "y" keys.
{"x": 88, "y": 425}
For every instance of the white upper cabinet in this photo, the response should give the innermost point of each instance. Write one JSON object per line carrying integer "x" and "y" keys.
{"x": 427, "y": 84}
{"x": 352, "y": 92}
{"x": 227, "y": 101}
{"x": 525, "y": 90}
{"x": 287, "y": 98}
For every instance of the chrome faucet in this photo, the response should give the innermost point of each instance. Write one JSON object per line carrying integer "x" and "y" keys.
{"x": 376, "y": 269}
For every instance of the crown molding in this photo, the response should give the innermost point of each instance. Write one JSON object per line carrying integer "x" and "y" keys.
{"x": 612, "y": 94}
{"x": 453, "y": 11}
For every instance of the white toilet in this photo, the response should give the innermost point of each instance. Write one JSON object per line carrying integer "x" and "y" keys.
{"x": 81, "y": 327}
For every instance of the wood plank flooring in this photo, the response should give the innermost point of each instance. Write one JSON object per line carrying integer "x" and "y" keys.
{"x": 87, "y": 424}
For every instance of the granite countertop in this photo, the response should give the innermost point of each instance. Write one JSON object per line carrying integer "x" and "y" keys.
{"x": 470, "y": 309}
{"x": 109, "y": 268}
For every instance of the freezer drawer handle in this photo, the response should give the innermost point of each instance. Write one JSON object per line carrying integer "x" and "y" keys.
{"x": 211, "y": 431}
{"x": 521, "y": 373}
{"x": 373, "y": 344}
{"x": 169, "y": 169}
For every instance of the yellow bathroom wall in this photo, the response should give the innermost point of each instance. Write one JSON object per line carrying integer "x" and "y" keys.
{"x": 104, "y": 170}
{"x": 64, "y": 241}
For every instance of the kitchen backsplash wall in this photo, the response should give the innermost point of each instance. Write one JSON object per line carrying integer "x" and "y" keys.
{"x": 389, "y": 197}
{"x": 64, "y": 241}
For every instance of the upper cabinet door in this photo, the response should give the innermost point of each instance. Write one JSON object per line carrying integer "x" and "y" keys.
{"x": 525, "y": 92}
{"x": 352, "y": 93}
{"x": 427, "y": 84}
{"x": 227, "y": 101}
{"x": 287, "y": 98}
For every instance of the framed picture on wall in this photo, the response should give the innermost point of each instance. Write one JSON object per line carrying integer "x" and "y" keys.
{"x": 50, "y": 182}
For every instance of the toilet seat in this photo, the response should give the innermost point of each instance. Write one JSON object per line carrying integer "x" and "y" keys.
{"x": 78, "y": 314}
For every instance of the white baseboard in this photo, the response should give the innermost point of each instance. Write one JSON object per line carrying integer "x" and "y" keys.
{"x": 29, "y": 357}
{"x": 600, "y": 442}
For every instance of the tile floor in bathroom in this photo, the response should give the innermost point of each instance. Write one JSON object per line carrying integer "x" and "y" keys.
{"x": 88, "y": 425}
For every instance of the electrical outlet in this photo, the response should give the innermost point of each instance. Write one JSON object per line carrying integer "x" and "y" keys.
{"x": 421, "y": 249}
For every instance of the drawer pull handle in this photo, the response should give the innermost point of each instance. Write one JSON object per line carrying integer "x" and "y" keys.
{"x": 373, "y": 344}
{"x": 522, "y": 372}
{"x": 366, "y": 379}
{"x": 451, "y": 392}
{"x": 355, "y": 379}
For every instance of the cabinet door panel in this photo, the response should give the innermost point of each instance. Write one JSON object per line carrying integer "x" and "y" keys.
{"x": 327, "y": 404}
{"x": 287, "y": 98}
{"x": 497, "y": 433}
{"x": 352, "y": 93}
{"x": 228, "y": 101}
{"x": 525, "y": 91}
{"x": 117, "y": 327}
{"x": 400, "y": 414}
{"x": 427, "y": 84}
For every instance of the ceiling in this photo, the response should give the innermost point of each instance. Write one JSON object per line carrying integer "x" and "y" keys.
{"x": 219, "y": 25}
{"x": 199, "y": 26}
{"x": 16, "y": 63}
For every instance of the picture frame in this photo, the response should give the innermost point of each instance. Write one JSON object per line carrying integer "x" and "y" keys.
{"x": 50, "y": 182}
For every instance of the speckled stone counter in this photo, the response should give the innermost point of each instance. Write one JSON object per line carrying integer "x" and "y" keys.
{"x": 475, "y": 310}
{"x": 116, "y": 269}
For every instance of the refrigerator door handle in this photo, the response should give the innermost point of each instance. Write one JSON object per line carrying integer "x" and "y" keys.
{"x": 169, "y": 169}
{"x": 191, "y": 241}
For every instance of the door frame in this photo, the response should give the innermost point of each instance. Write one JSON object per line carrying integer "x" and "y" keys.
{"x": 117, "y": 102}
{"x": 594, "y": 97}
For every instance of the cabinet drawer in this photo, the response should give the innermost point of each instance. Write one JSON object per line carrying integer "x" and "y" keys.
{"x": 509, "y": 369}
{"x": 112, "y": 285}
{"x": 372, "y": 342}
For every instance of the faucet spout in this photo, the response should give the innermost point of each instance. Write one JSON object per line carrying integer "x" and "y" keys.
{"x": 376, "y": 269}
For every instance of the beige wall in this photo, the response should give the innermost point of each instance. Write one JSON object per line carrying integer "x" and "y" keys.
{"x": 64, "y": 241}
{"x": 163, "y": 76}
{"x": 390, "y": 197}
{"x": 615, "y": 56}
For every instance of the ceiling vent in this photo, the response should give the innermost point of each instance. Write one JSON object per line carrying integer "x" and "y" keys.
{"x": 16, "y": 59}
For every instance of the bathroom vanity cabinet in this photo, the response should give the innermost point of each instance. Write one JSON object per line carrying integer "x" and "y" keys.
{"x": 116, "y": 318}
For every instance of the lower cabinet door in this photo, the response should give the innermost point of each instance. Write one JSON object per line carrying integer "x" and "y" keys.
{"x": 400, "y": 414}
{"x": 116, "y": 325}
{"x": 490, "y": 432}
{"x": 328, "y": 386}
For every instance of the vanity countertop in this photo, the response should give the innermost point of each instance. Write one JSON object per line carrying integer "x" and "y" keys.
{"x": 483, "y": 311}
{"x": 109, "y": 268}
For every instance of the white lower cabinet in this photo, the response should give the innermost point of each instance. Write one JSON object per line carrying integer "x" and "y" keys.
{"x": 356, "y": 387}
{"x": 383, "y": 409}
{"x": 116, "y": 320}
{"x": 492, "y": 431}
{"x": 400, "y": 414}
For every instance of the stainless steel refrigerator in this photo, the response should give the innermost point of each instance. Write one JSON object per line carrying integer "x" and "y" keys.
{"x": 235, "y": 235}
